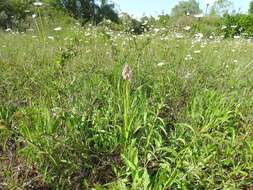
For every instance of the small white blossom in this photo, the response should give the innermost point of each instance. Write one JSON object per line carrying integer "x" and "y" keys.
{"x": 187, "y": 75}
{"x": 156, "y": 30}
{"x": 223, "y": 27}
{"x": 37, "y": 4}
{"x": 199, "y": 15}
{"x": 58, "y": 29}
{"x": 179, "y": 36}
{"x": 199, "y": 35}
{"x": 187, "y": 28}
{"x": 50, "y": 37}
{"x": 188, "y": 57}
{"x": 161, "y": 64}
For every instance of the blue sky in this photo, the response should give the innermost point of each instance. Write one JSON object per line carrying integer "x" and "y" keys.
{"x": 154, "y": 7}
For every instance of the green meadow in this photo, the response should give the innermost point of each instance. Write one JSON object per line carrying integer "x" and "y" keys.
{"x": 182, "y": 119}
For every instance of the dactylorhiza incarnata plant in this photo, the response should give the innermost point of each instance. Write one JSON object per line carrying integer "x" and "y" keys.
{"x": 127, "y": 73}
{"x": 127, "y": 76}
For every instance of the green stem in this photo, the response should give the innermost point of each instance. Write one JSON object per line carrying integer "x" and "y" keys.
{"x": 126, "y": 127}
{"x": 40, "y": 29}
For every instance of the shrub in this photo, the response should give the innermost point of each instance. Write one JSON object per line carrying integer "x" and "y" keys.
{"x": 239, "y": 24}
{"x": 131, "y": 25}
{"x": 13, "y": 13}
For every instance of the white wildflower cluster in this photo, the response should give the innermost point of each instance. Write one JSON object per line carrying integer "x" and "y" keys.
{"x": 197, "y": 51}
{"x": 199, "y": 15}
{"x": 187, "y": 28}
{"x": 188, "y": 57}
{"x": 50, "y": 37}
{"x": 58, "y": 29}
{"x": 198, "y": 36}
{"x": 162, "y": 63}
{"x": 179, "y": 36}
{"x": 38, "y": 4}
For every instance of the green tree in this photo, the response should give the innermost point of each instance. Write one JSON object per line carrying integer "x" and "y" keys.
{"x": 12, "y": 12}
{"x": 106, "y": 10}
{"x": 251, "y": 8}
{"x": 88, "y": 9}
{"x": 84, "y": 9}
{"x": 221, "y": 7}
{"x": 185, "y": 7}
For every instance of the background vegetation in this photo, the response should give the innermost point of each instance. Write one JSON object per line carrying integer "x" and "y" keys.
{"x": 218, "y": 18}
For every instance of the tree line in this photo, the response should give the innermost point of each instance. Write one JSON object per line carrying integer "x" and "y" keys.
{"x": 12, "y": 11}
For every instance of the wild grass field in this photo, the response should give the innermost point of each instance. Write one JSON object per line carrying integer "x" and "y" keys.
{"x": 181, "y": 119}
